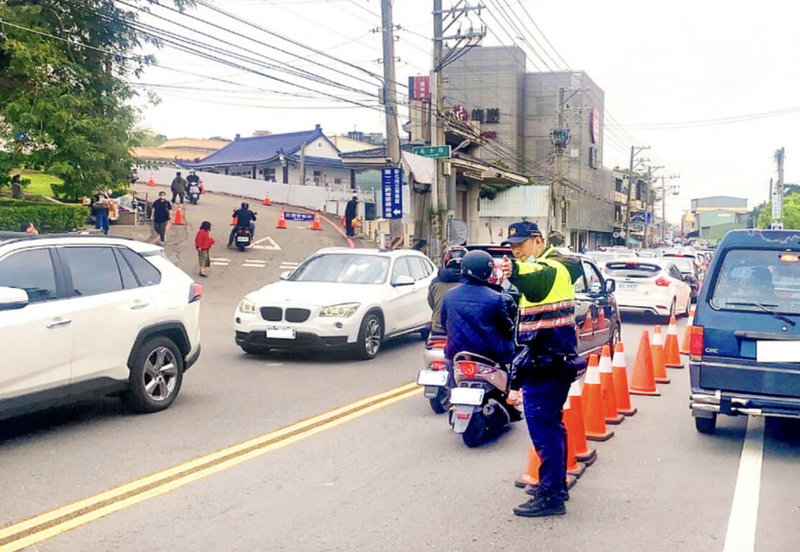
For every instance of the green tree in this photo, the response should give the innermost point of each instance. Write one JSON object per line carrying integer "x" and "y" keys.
{"x": 64, "y": 92}
{"x": 144, "y": 136}
{"x": 791, "y": 213}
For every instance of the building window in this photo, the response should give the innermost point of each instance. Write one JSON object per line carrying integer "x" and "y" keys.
{"x": 493, "y": 115}
{"x": 317, "y": 178}
{"x": 268, "y": 173}
{"x": 337, "y": 181}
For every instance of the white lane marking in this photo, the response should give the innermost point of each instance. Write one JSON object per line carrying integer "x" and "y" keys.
{"x": 741, "y": 535}
{"x": 213, "y": 263}
{"x": 272, "y": 245}
{"x": 219, "y": 261}
{"x": 254, "y": 265}
{"x": 259, "y": 261}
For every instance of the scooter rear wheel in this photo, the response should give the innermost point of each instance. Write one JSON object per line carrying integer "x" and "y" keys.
{"x": 476, "y": 432}
{"x": 441, "y": 402}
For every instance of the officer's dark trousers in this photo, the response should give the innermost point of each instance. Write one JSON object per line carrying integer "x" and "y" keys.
{"x": 543, "y": 402}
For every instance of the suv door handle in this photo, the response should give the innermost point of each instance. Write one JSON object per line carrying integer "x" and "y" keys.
{"x": 58, "y": 322}
{"x": 138, "y": 305}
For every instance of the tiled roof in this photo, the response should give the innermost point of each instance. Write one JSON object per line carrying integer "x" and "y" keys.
{"x": 257, "y": 149}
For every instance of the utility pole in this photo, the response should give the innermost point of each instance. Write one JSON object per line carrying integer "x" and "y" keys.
{"x": 648, "y": 195}
{"x": 560, "y": 139}
{"x": 664, "y": 204}
{"x": 389, "y": 98}
{"x": 634, "y": 152}
{"x": 438, "y": 188}
{"x": 303, "y": 165}
{"x": 777, "y": 191}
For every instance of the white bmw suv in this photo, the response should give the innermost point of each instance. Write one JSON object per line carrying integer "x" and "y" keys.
{"x": 93, "y": 315}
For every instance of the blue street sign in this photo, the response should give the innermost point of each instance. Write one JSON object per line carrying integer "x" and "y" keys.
{"x": 392, "y": 181}
{"x": 298, "y": 217}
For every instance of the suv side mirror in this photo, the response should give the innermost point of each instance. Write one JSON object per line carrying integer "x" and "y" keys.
{"x": 13, "y": 298}
{"x": 285, "y": 274}
{"x": 611, "y": 286}
{"x": 403, "y": 280}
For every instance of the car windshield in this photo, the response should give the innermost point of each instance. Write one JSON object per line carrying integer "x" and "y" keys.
{"x": 343, "y": 269}
{"x": 755, "y": 279}
{"x": 601, "y": 257}
{"x": 684, "y": 264}
{"x": 631, "y": 269}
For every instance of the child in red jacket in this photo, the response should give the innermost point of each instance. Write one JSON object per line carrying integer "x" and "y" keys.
{"x": 203, "y": 242}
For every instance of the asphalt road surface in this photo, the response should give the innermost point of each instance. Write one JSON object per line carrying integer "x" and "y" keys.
{"x": 322, "y": 452}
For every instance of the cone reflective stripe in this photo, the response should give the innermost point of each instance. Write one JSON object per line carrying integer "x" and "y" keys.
{"x": 573, "y": 467}
{"x": 619, "y": 367}
{"x": 687, "y": 333}
{"x": 672, "y": 356}
{"x": 316, "y": 225}
{"x": 592, "y": 401}
{"x": 281, "y": 221}
{"x": 607, "y": 389}
{"x": 588, "y": 323}
{"x": 266, "y": 199}
{"x": 179, "y": 218}
{"x": 573, "y": 420}
{"x": 531, "y": 475}
{"x": 659, "y": 366}
{"x": 601, "y": 319}
{"x": 644, "y": 381}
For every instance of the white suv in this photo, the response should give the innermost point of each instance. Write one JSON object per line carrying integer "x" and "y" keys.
{"x": 86, "y": 315}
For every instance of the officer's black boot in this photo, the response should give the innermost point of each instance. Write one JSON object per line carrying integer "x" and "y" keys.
{"x": 541, "y": 506}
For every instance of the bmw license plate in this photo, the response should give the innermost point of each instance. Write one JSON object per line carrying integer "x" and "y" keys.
{"x": 436, "y": 378}
{"x": 242, "y": 239}
{"x": 628, "y": 285}
{"x": 280, "y": 333}
{"x": 472, "y": 396}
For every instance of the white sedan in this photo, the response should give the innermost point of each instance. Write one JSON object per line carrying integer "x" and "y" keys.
{"x": 337, "y": 299}
{"x": 649, "y": 285}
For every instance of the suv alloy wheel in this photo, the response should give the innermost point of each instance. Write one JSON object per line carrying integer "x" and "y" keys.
{"x": 156, "y": 375}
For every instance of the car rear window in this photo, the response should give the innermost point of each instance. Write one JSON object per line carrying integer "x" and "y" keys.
{"x": 753, "y": 279}
{"x": 632, "y": 269}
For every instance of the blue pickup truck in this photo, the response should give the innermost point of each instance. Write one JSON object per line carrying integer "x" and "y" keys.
{"x": 745, "y": 341}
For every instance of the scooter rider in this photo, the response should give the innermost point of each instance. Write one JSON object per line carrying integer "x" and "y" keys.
{"x": 547, "y": 326}
{"x": 475, "y": 316}
{"x": 245, "y": 218}
{"x": 448, "y": 277}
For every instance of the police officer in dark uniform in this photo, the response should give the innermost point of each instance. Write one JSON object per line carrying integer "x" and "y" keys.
{"x": 547, "y": 327}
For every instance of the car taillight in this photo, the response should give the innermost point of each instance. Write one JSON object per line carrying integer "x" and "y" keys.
{"x": 468, "y": 368}
{"x": 195, "y": 292}
{"x": 437, "y": 344}
{"x": 438, "y": 365}
{"x": 662, "y": 282}
{"x": 696, "y": 342}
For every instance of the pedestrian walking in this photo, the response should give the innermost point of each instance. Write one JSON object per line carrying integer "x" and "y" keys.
{"x": 178, "y": 188}
{"x": 203, "y": 242}
{"x": 161, "y": 216}
{"x": 28, "y": 227}
{"x": 100, "y": 207}
{"x": 547, "y": 326}
{"x": 16, "y": 187}
{"x": 350, "y": 212}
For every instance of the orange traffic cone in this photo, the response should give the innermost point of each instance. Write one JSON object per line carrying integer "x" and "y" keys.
{"x": 281, "y": 221}
{"x": 588, "y": 323}
{"x": 607, "y": 388}
{"x": 659, "y": 365}
{"x": 531, "y": 475}
{"x": 592, "y": 402}
{"x": 672, "y": 355}
{"x": 687, "y": 334}
{"x": 601, "y": 319}
{"x": 573, "y": 467}
{"x": 620, "y": 369}
{"x": 573, "y": 421}
{"x": 644, "y": 381}
{"x": 179, "y": 218}
{"x": 266, "y": 200}
{"x": 317, "y": 224}
{"x": 150, "y": 181}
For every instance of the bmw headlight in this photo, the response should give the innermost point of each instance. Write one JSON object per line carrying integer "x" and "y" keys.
{"x": 345, "y": 310}
{"x": 247, "y": 307}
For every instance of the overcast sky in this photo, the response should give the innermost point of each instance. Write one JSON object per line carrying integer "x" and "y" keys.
{"x": 660, "y": 66}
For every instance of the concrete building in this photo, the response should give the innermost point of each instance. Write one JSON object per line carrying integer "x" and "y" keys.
{"x": 711, "y": 217}
{"x": 515, "y": 113}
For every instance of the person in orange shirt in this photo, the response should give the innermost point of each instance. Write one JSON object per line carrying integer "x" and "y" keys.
{"x": 203, "y": 242}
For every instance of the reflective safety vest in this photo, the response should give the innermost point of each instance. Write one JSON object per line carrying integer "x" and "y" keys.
{"x": 557, "y": 309}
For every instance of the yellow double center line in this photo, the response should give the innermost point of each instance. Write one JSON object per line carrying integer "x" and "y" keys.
{"x": 49, "y": 524}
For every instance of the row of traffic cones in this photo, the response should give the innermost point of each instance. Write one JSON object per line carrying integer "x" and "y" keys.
{"x": 315, "y": 225}
{"x": 604, "y": 398}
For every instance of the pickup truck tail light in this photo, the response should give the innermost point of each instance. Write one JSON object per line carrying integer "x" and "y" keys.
{"x": 696, "y": 342}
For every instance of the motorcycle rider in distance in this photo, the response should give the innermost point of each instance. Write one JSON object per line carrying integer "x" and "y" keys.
{"x": 447, "y": 277}
{"x": 475, "y": 316}
{"x": 245, "y": 218}
{"x": 547, "y": 327}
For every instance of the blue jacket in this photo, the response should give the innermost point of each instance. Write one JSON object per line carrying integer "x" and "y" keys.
{"x": 477, "y": 320}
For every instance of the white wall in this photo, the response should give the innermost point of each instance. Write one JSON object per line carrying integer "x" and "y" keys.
{"x": 321, "y": 148}
{"x": 310, "y": 197}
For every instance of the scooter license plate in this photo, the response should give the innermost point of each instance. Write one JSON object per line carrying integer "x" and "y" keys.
{"x": 467, "y": 395}
{"x": 242, "y": 239}
{"x": 436, "y": 378}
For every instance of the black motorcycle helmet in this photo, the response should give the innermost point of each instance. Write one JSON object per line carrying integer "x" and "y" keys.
{"x": 477, "y": 265}
{"x": 453, "y": 256}
{"x": 245, "y": 205}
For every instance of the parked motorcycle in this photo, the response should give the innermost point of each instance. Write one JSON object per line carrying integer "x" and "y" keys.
{"x": 478, "y": 408}
{"x": 436, "y": 376}
{"x": 243, "y": 238}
